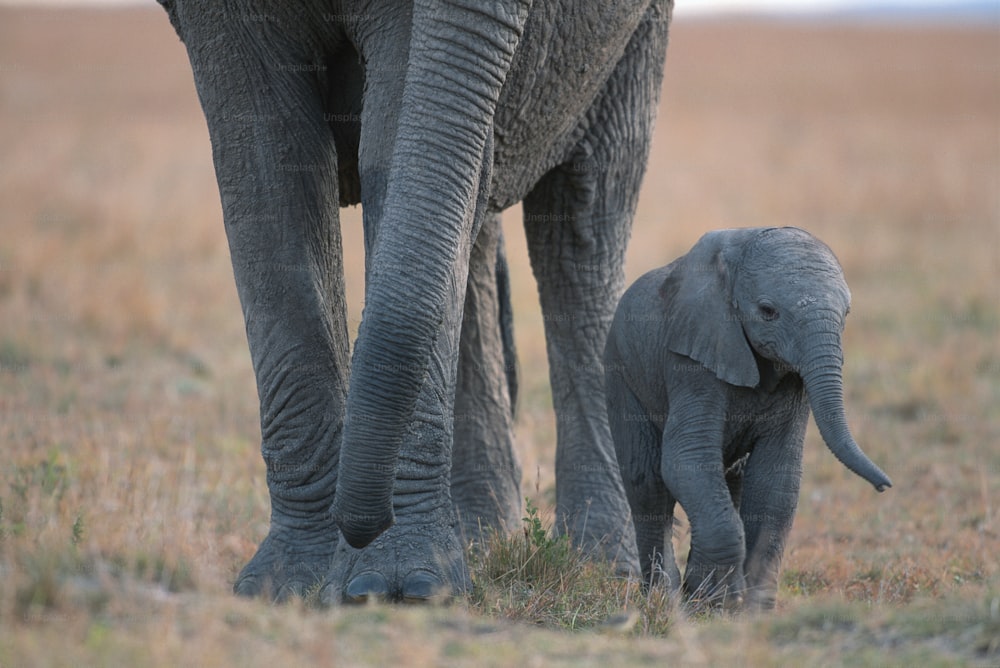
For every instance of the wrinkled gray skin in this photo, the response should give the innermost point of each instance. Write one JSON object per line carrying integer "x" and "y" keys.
{"x": 712, "y": 364}
{"x": 434, "y": 117}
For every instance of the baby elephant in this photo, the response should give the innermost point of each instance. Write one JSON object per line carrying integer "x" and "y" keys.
{"x": 712, "y": 365}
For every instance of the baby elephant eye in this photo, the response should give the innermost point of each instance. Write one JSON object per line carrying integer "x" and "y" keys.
{"x": 767, "y": 312}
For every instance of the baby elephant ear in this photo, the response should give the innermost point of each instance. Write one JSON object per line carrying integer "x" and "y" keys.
{"x": 701, "y": 321}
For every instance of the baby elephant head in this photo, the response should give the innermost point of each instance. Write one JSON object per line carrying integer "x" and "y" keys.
{"x": 781, "y": 293}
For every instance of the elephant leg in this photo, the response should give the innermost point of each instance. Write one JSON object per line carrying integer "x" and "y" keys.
{"x": 734, "y": 481}
{"x": 276, "y": 165}
{"x": 637, "y": 445}
{"x": 486, "y": 474}
{"x": 420, "y": 556}
{"x": 577, "y": 260}
{"x": 692, "y": 469}
{"x": 577, "y": 221}
{"x": 770, "y": 496}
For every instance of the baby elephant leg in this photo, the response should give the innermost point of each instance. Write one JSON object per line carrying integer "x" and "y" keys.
{"x": 693, "y": 472}
{"x": 653, "y": 519}
{"x": 637, "y": 448}
{"x": 770, "y": 495}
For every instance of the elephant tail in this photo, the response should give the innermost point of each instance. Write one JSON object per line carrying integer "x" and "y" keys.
{"x": 507, "y": 324}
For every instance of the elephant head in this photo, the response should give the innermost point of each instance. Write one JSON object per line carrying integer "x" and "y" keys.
{"x": 779, "y": 293}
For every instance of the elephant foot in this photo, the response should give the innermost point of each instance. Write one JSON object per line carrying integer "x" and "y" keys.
{"x": 409, "y": 563}
{"x": 760, "y": 599}
{"x": 287, "y": 564}
{"x": 714, "y": 586}
{"x": 604, "y": 531}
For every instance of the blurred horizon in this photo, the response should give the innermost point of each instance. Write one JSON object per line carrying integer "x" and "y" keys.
{"x": 962, "y": 10}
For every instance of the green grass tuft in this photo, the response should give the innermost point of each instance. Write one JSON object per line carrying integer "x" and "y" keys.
{"x": 536, "y": 577}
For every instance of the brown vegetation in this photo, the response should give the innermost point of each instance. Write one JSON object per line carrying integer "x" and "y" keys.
{"x": 132, "y": 490}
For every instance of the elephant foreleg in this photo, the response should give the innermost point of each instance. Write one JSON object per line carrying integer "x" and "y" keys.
{"x": 693, "y": 471}
{"x": 276, "y": 165}
{"x": 420, "y": 556}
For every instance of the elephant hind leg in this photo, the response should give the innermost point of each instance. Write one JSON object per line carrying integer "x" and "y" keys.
{"x": 653, "y": 518}
{"x": 637, "y": 447}
{"x": 577, "y": 254}
{"x": 770, "y": 496}
{"x": 577, "y": 220}
{"x": 486, "y": 474}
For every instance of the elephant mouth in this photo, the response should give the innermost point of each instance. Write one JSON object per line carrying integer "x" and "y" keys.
{"x": 764, "y": 348}
{"x": 770, "y": 364}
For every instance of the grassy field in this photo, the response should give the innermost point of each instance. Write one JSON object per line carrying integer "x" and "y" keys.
{"x": 131, "y": 485}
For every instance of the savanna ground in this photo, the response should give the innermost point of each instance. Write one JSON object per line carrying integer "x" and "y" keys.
{"x": 131, "y": 485}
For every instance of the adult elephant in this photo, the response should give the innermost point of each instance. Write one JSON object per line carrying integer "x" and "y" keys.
{"x": 434, "y": 117}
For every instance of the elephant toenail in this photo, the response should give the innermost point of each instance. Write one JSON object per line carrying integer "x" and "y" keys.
{"x": 247, "y": 587}
{"x": 366, "y": 587}
{"x": 423, "y": 587}
{"x": 287, "y": 592}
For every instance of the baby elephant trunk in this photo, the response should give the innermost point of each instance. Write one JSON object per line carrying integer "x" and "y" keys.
{"x": 824, "y": 384}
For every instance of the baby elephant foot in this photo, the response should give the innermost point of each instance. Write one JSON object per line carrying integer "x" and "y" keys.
{"x": 714, "y": 586}
{"x": 409, "y": 564}
{"x": 760, "y": 600}
{"x": 288, "y": 563}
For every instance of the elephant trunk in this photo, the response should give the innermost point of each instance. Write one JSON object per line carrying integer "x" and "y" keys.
{"x": 823, "y": 380}
{"x": 441, "y": 152}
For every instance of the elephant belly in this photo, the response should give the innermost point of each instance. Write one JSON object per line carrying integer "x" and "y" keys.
{"x": 565, "y": 56}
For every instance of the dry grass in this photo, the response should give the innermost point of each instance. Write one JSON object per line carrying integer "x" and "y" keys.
{"x": 131, "y": 489}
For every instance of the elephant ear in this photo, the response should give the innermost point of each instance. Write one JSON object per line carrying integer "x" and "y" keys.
{"x": 701, "y": 320}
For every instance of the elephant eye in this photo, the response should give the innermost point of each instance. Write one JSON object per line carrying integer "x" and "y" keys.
{"x": 767, "y": 312}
